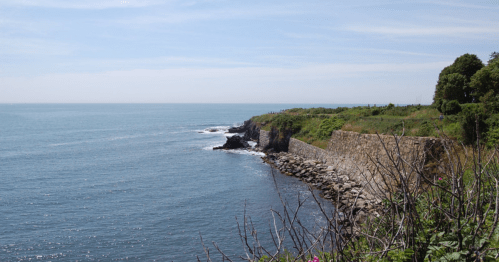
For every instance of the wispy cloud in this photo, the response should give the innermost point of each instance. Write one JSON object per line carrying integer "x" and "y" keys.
{"x": 86, "y": 4}
{"x": 396, "y": 52}
{"x": 493, "y": 4}
{"x": 100, "y": 65}
{"x": 221, "y": 13}
{"x": 449, "y": 31}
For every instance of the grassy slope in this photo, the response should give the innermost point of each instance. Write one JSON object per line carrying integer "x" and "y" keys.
{"x": 413, "y": 120}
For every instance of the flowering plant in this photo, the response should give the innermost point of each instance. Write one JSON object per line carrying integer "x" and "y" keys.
{"x": 316, "y": 259}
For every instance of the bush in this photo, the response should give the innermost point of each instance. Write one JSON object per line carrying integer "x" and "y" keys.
{"x": 493, "y": 138}
{"x": 285, "y": 122}
{"x": 451, "y": 107}
{"x": 471, "y": 113}
{"x": 375, "y": 111}
{"x": 438, "y": 104}
{"x": 426, "y": 129}
{"x": 327, "y": 127}
{"x": 453, "y": 130}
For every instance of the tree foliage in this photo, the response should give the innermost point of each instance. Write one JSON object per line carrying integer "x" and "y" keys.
{"x": 451, "y": 107}
{"x": 456, "y": 77}
{"x": 485, "y": 80}
{"x": 453, "y": 87}
{"x": 493, "y": 57}
{"x": 473, "y": 122}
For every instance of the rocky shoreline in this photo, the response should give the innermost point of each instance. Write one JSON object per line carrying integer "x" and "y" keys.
{"x": 348, "y": 196}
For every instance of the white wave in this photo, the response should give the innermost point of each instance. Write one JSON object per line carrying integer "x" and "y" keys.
{"x": 236, "y": 151}
{"x": 211, "y": 147}
{"x": 244, "y": 152}
{"x": 214, "y": 130}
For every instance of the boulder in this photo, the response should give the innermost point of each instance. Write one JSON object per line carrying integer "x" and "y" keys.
{"x": 234, "y": 142}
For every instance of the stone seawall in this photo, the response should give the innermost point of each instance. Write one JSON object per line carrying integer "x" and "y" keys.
{"x": 362, "y": 157}
{"x": 360, "y": 154}
{"x": 309, "y": 151}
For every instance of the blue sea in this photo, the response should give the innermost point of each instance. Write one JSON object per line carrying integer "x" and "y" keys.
{"x": 106, "y": 182}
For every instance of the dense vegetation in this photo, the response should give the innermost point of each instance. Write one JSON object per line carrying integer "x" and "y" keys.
{"x": 466, "y": 94}
{"x": 315, "y": 125}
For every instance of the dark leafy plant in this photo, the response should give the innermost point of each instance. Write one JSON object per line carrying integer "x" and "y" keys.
{"x": 451, "y": 107}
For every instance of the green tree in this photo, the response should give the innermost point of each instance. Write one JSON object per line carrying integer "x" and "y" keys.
{"x": 473, "y": 116}
{"x": 453, "y": 87}
{"x": 486, "y": 80}
{"x": 466, "y": 65}
{"x": 451, "y": 108}
{"x": 493, "y": 57}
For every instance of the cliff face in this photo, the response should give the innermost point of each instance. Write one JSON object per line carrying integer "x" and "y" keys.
{"x": 276, "y": 141}
{"x": 251, "y": 130}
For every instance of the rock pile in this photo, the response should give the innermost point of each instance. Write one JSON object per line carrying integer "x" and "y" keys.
{"x": 347, "y": 195}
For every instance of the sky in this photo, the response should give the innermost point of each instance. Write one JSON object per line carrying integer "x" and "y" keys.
{"x": 222, "y": 51}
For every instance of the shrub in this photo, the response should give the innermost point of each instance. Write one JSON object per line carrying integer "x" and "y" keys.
{"x": 287, "y": 122}
{"x": 453, "y": 130}
{"x": 438, "y": 104}
{"x": 451, "y": 108}
{"x": 471, "y": 113}
{"x": 426, "y": 129}
{"x": 327, "y": 127}
{"x": 493, "y": 138}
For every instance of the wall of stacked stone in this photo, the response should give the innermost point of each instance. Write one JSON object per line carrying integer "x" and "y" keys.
{"x": 352, "y": 154}
{"x": 309, "y": 151}
{"x": 356, "y": 153}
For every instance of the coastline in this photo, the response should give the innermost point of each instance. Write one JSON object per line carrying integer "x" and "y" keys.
{"x": 347, "y": 195}
{"x": 347, "y": 171}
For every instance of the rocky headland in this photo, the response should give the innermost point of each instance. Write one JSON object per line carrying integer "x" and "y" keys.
{"x": 249, "y": 131}
{"x": 348, "y": 195}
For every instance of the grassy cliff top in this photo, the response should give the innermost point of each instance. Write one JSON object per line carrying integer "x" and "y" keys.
{"x": 314, "y": 125}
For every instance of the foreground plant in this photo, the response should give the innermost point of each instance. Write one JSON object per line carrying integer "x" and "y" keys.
{"x": 445, "y": 214}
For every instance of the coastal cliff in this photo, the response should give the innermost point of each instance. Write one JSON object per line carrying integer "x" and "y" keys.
{"x": 348, "y": 168}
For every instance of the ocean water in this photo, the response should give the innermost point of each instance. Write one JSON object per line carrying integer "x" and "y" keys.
{"x": 106, "y": 182}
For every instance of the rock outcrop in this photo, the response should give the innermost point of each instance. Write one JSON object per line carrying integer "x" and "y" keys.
{"x": 251, "y": 133}
{"x": 234, "y": 142}
{"x": 251, "y": 130}
{"x": 277, "y": 141}
{"x": 240, "y": 129}
{"x": 347, "y": 195}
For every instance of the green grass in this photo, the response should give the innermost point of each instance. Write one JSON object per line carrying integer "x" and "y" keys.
{"x": 422, "y": 121}
{"x": 410, "y": 120}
